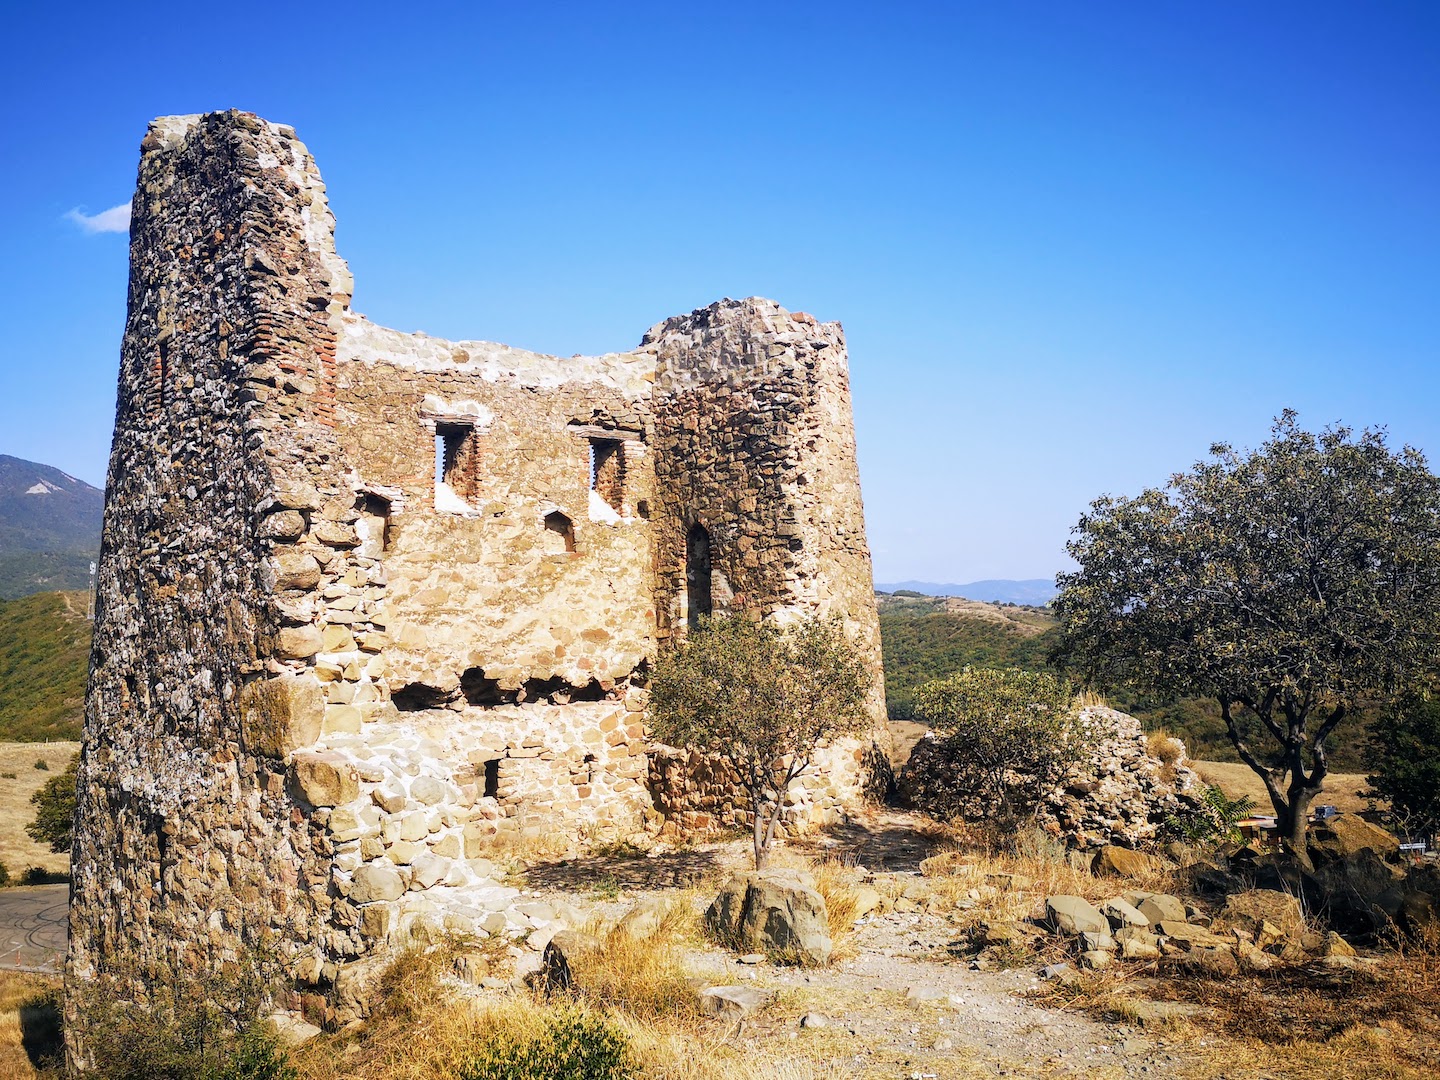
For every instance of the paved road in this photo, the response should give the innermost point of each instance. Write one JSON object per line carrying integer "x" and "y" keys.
{"x": 33, "y": 927}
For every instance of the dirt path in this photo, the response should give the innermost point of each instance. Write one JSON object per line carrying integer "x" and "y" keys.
{"x": 904, "y": 1002}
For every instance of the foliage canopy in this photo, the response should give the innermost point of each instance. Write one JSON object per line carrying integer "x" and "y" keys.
{"x": 1006, "y": 737}
{"x": 1405, "y": 759}
{"x": 761, "y": 699}
{"x": 55, "y": 809}
{"x": 1288, "y": 583}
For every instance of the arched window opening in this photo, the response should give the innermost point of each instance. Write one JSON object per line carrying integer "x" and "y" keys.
{"x": 697, "y": 575}
{"x": 559, "y": 534}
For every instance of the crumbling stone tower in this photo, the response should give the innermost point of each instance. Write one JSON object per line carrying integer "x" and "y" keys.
{"x": 367, "y": 598}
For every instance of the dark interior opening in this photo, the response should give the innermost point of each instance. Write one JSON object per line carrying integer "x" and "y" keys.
{"x": 697, "y": 575}
{"x": 480, "y": 690}
{"x": 417, "y": 697}
{"x": 492, "y": 778}
{"x": 560, "y": 533}
{"x": 375, "y": 506}
{"x": 456, "y": 459}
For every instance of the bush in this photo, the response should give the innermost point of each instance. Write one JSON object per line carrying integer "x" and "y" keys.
{"x": 42, "y": 764}
{"x": 4, "y": 874}
{"x": 1212, "y": 822}
{"x": 1006, "y": 736}
{"x": 201, "y": 1028}
{"x": 577, "y": 1045}
{"x": 55, "y": 809}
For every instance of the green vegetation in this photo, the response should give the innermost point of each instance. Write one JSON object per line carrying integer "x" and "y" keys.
{"x": 929, "y": 637}
{"x": 55, "y": 809}
{"x": 761, "y": 700}
{"x": 23, "y": 573}
{"x": 44, "y": 655}
{"x": 1405, "y": 761}
{"x": 576, "y": 1045}
{"x": 1006, "y": 736}
{"x": 1292, "y": 584}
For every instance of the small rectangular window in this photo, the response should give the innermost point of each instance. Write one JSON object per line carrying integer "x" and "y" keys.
{"x": 607, "y": 472}
{"x": 457, "y": 463}
{"x": 492, "y": 778}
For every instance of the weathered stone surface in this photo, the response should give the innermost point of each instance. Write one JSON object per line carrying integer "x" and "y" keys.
{"x": 644, "y": 919}
{"x": 1123, "y": 862}
{"x": 733, "y": 1003}
{"x": 1074, "y": 915}
{"x": 326, "y": 779}
{"x": 1120, "y": 913}
{"x": 373, "y": 882}
{"x": 1345, "y": 836}
{"x": 1158, "y": 906}
{"x": 281, "y": 714}
{"x": 777, "y": 911}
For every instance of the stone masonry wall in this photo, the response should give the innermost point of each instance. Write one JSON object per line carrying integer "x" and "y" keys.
{"x": 186, "y": 854}
{"x": 368, "y": 598}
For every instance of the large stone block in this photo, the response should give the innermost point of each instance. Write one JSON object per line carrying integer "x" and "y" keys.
{"x": 325, "y": 778}
{"x": 282, "y": 714}
{"x": 774, "y": 911}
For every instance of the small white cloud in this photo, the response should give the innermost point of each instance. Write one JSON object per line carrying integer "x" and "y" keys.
{"x": 116, "y": 219}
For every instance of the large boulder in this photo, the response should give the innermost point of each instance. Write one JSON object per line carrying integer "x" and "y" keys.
{"x": 1360, "y": 894}
{"x": 1346, "y": 836}
{"x": 1074, "y": 915}
{"x": 773, "y": 911}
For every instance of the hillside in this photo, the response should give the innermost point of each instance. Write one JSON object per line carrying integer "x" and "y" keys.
{"x": 926, "y": 637}
{"x": 49, "y": 528}
{"x": 44, "y": 653}
{"x": 1035, "y": 592}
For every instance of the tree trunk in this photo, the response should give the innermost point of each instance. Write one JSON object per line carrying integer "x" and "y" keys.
{"x": 757, "y": 803}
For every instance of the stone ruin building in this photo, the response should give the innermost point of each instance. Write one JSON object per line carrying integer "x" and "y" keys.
{"x": 367, "y": 598}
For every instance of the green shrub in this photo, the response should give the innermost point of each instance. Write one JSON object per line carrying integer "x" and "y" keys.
{"x": 55, "y": 809}
{"x": 42, "y": 764}
{"x": 578, "y": 1045}
{"x": 1213, "y": 822}
{"x": 1006, "y": 736}
{"x": 4, "y": 874}
{"x": 189, "y": 1028}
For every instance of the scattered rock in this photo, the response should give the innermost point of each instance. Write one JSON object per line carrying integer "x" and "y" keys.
{"x": 1254, "y": 909}
{"x": 291, "y": 1029}
{"x": 1124, "y": 862}
{"x": 778, "y": 911}
{"x": 1074, "y": 915}
{"x": 373, "y": 882}
{"x": 925, "y": 995}
{"x": 732, "y": 1003}
{"x": 1121, "y": 914}
{"x": 1345, "y": 836}
{"x": 1159, "y": 906}
{"x": 1335, "y": 945}
{"x": 561, "y": 952}
{"x": 644, "y": 919}
{"x": 814, "y": 1020}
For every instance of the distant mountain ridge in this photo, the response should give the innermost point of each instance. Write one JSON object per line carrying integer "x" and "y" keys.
{"x": 1036, "y": 592}
{"x": 49, "y": 528}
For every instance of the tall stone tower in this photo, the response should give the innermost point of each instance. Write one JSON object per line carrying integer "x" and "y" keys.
{"x": 368, "y": 598}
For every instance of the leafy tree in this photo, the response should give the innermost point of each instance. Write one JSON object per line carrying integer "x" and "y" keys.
{"x": 1405, "y": 757}
{"x": 1006, "y": 737}
{"x": 762, "y": 700}
{"x": 55, "y": 809}
{"x": 1288, "y": 583}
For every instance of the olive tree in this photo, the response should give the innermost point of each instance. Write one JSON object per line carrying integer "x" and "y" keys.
{"x": 761, "y": 699}
{"x": 1288, "y": 583}
{"x": 1005, "y": 737}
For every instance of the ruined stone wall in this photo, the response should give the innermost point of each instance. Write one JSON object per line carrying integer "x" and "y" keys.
{"x": 368, "y": 598}
{"x": 186, "y": 854}
{"x": 755, "y": 444}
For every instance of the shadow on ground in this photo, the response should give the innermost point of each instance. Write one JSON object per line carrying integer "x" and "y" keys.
{"x": 41, "y": 1030}
{"x": 888, "y": 843}
{"x": 678, "y": 869}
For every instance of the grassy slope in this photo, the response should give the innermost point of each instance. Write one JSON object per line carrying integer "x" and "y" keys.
{"x": 17, "y": 850}
{"x": 44, "y": 653}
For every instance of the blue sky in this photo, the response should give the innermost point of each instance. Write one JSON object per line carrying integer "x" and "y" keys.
{"x": 1071, "y": 244}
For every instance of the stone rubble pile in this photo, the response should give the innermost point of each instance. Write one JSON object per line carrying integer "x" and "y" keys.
{"x": 1121, "y": 794}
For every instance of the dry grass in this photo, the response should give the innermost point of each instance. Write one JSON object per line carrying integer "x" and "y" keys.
{"x": 1342, "y": 790}
{"x": 27, "y": 1013}
{"x": 428, "y": 1027}
{"x": 16, "y": 848}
